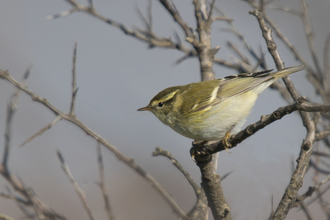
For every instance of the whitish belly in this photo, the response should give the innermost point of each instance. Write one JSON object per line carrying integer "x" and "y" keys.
{"x": 214, "y": 123}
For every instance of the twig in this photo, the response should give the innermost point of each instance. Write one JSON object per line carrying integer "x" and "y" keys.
{"x": 321, "y": 154}
{"x": 226, "y": 175}
{"x": 307, "y": 211}
{"x": 283, "y": 91}
{"x": 321, "y": 193}
{"x": 286, "y": 9}
{"x": 5, "y": 217}
{"x": 159, "y": 151}
{"x": 15, "y": 198}
{"x": 321, "y": 135}
{"x": 11, "y": 108}
{"x": 102, "y": 184}
{"x": 310, "y": 36}
{"x": 240, "y": 36}
{"x": 236, "y": 50}
{"x": 209, "y": 17}
{"x": 177, "y": 17}
{"x": 263, "y": 122}
{"x": 17, "y": 185}
{"x": 326, "y": 64}
{"x": 62, "y": 14}
{"x": 10, "y": 113}
{"x": 305, "y": 153}
{"x": 42, "y": 130}
{"x": 128, "y": 161}
{"x": 228, "y": 64}
{"x": 80, "y": 193}
{"x": 271, "y": 215}
{"x": 312, "y": 76}
{"x": 74, "y": 81}
{"x": 310, "y": 192}
{"x": 144, "y": 36}
{"x": 319, "y": 169}
{"x": 198, "y": 211}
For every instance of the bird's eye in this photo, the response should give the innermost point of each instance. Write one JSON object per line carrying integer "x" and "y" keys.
{"x": 160, "y": 104}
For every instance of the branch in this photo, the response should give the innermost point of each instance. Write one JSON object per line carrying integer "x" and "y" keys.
{"x": 241, "y": 37}
{"x": 310, "y": 36}
{"x": 177, "y": 17}
{"x": 128, "y": 161}
{"x": 145, "y": 36}
{"x": 42, "y": 130}
{"x": 313, "y": 76}
{"x": 286, "y": 9}
{"x": 74, "y": 81}
{"x": 80, "y": 193}
{"x": 16, "y": 184}
{"x": 102, "y": 184}
{"x": 234, "y": 140}
{"x": 200, "y": 208}
{"x": 202, "y": 44}
{"x": 305, "y": 152}
{"x": 326, "y": 72}
{"x": 307, "y": 212}
{"x": 309, "y": 192}
{"x": 5, "y": 217}
{"x": 211, "y": 183}
{"x": 323, "y": 134}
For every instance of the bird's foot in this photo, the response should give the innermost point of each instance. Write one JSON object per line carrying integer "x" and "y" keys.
{"x": 195, "y": 150}
{"x": 225, "y": 142}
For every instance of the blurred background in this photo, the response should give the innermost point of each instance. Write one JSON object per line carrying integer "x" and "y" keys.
{"x": 116, "y": 75}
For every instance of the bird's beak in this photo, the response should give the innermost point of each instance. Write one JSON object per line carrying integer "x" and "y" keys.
{"x": 147, "y": 108}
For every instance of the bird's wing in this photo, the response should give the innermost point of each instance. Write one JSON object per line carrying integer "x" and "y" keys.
{"x": 238, "y": 84}
{"x": 206, "y": 94}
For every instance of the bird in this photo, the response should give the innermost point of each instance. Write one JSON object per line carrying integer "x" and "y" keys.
{"x": 214, "y": 109}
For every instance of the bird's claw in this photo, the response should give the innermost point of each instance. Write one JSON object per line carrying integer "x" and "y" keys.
{"x": 225, "y": 142}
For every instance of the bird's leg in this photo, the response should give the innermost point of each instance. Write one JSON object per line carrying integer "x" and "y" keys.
{"x": 225, "y": 138}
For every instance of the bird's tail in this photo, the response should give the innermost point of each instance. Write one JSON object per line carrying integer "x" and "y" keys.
{"x": 287, "y": 71}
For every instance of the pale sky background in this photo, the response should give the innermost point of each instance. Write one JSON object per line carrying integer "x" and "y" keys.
{"x": 118, "y": 74}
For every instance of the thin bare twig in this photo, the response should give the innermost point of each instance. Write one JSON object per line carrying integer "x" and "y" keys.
{"x": 11, "y": 108}
{"x": 128, "y": 161}
{"x": 5, "y": 217}
{"x": 286, "y": 9}
{"x": 310, "y": 36}
{"x": 209, "y": 17}
{"x": 159, "y": 151}
{"x": 10, "y": 112}
{"x": 15, "y": 198}
{"x": 238, "y": 52}
{"x": 197, "y": 212}
{"x": 321, "y": 193}
{"x": 321, "y": 135}
{"x": 144, "y": 36}
{"x": 310, "y": 192}
{"x": 42, "y": 130}
{"x": 17, "y": 184}
{"x": 177, "y": 17}
{"x": 326, "y": 71}
{"x": 306, "y": 148}
{"x": 74, "y": 81}
{"x": 307, "y": 211}
{"x": 62, "y": 14}
{"x": 240, "y": 36}
{"x": 80, "y": 193}
{"x": 102, "y": 184}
